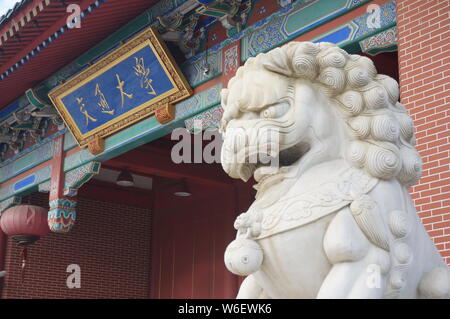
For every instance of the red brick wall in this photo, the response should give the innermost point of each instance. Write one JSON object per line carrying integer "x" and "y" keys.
{"x": 424, "y": 42}
{"x": 110, "y": 242}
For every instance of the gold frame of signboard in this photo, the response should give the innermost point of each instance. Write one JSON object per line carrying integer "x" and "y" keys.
{"x": 161, "y": 106}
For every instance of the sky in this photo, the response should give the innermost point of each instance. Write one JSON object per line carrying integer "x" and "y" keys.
{"x": 5, "y": 5}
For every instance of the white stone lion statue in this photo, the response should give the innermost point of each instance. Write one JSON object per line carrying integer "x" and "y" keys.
{"x": 334, "y": 219}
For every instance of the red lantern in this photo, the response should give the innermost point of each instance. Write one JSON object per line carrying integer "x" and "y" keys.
{"x": 25, "y": 223}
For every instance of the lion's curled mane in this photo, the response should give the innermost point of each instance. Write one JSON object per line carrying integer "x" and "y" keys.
{"x": 380, "y": 129}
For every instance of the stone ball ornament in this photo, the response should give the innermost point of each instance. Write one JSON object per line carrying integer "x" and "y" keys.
{"x": 243, "y": 256}
{"x": 332, "y": 216}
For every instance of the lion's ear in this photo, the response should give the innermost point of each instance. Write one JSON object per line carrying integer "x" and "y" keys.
{"x": 278, "y": 61}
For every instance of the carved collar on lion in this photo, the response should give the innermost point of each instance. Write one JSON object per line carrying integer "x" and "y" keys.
{"x": 322, "y": 190}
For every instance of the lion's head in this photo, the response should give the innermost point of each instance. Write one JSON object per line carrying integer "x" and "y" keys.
{"x": 326, "y": 104}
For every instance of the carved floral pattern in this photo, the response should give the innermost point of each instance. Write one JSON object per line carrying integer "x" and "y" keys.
{"x": 295, "y": 211}
{"x": 231, "y": 60}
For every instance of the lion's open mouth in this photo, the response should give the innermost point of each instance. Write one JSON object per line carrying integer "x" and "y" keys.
{"x": 275, "y": 165}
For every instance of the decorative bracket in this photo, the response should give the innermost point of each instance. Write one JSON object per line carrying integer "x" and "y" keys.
{"x": 171, "y": 23}
{"x": 49, "y": 112}
{"x": 62, "y": 213}
{"x": 224, "y": 11}
{"x": 97, "y": 145}
{"x": 36, "y": 127}
{"x": 385, "y": 41}
{"x": 45, "y": 109}
{"x": 233, "y": 14}
{"x": 165, "y": 114}
{"x": 12, "y": 139}
{"x": 35, "y": 99}
{"x": 33, "y": 120}
{"x": 76, "y": 178}
{"x": 182, "y": 29}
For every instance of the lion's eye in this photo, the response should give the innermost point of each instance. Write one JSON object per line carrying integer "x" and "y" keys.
{"x": 275, "y": 111}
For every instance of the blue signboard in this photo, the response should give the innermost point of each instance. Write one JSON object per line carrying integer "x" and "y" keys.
{"x": 124, "y": 87}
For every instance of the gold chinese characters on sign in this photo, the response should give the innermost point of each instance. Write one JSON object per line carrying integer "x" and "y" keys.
{"x": 137, "y": 80}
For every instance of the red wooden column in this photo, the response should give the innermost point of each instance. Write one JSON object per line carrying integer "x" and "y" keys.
{"x": 62, "y": 215}
{"x": 57, "y": 178}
